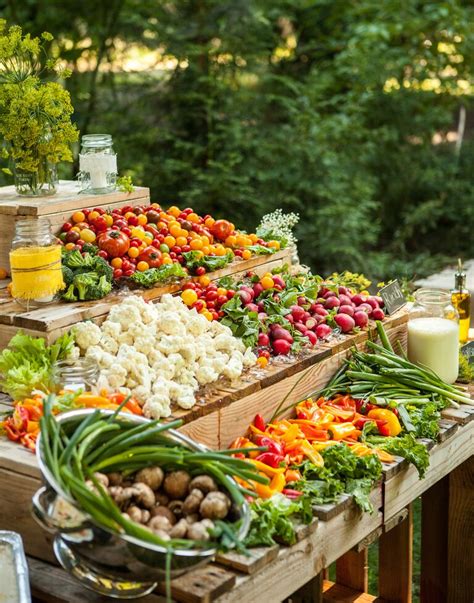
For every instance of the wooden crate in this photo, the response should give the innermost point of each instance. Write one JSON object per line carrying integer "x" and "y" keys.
{"x": 52, "y": 321}
{"x": 58, "y": 208}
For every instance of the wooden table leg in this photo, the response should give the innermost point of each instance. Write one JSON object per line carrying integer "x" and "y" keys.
{"x": 461, "y": 534}
{"x": 395, "y": 561}
{"x": 311, "y": 592}
{"x": 434, "y": 543}
{"x": 352, "y": 570}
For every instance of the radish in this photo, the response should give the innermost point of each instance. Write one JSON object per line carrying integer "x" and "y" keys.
{"x": 321, "y": 311}
{"x": 306, "y": 316}
{"x": 361, "y": 319}
{"x": 279, "y": 281}
{"x": 322, "y": 292}
{"x": 332, "y": 302}
{"x": 372, "y": 302}
{"x": 345, "y": 322}
{"x": 263, "y": 339}
{"x": 345, "y": 309}
{"x": 245, "y": 296}
{"x": 281, "y": 347}
{"x": 301, "y": 327}
{"x": 297, "y": 312}
{"x": 311, "y": 323}
{"x": 313, "y": 338}
{"x": 257, "y": 289}
{"x": 281, "y": 333}
{"x": 345, "y": 300}
{"x": 379, "y": 300}
{"x": 261, "y": 306}
{"x": 329, "y": 294}
{"x": 343, "y": 291}
{"x": 378, "y": 314}
{"x": 359, "y": 299}
{"x": 290, "y": 318}
{"x": 248, "y": 289}
{"x": 314, "y": 307}
{"x": 302, "y": 300}
{"x": 366, "y": 308}
{"x": 323, "y": 331}
{"x": 262, "y": 316}
{"x": 252, "y": 307}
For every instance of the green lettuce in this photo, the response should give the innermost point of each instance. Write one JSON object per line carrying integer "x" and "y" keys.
{"x": 406, "y": 447}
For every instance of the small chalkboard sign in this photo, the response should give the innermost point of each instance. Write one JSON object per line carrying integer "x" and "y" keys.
{"x": 393, "y": 297}
{"x": 467, "y": 350}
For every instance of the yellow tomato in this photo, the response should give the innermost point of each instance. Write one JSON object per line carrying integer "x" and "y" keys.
{"x": 129, "y": 215}
{"x": 87, "y": 235}
{"x": 274, "y": 244}
{"x": 246, "y": 254}
{"x": 221, "y": 290}
{"x": 193, "y": 217}
{"x": 166, "y": 260}
{"x": 142, "y": 219}
{"x": 142, "y": 266}
{"x": 219, "y": 250}
{"x": 170, "y": 241}
{"x": 78, "y": 216}
{"x": 204, "y": 281}
{"x": 262, "y": 361}
{"x": 93, "y": 216}
{"x": 174, "y": 211}
{"x": 138, "y": 233}
{"x": 117, "y": 262}
{"x": 206, "y": 250}
{"x": 196, "y": 244}
{"x": 231, "y": 241}
{"x": 205, "y": 240}
{"x": 133, "y": 252}
{"x": 181, "y": 241}
{"x": 209, "y": 222}
{"x": 253, "y": 237}
{"x": 267, "y": 282}
{"x": 69, "y": 246}
{"x": 207, "y": 314}
{"x": 175, "y": 230}
{"x": 108, "y": 219}
{"x": 189, "y": 297}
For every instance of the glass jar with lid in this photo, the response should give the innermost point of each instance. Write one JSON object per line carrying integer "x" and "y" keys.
{"x": 433, "y": 333}
{"x": 35, "y": 263}
{"x": 97, "y": 164}
{"x": 76, "y": 374}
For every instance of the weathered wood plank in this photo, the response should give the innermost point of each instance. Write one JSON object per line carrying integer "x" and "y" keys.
{"x": 253, "y": 562}
{"x": 352, "y": 570}
{"x": 202, "y": 585}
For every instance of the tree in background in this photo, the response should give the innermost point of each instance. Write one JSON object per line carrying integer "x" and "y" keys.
{"x": 329, "y": 108}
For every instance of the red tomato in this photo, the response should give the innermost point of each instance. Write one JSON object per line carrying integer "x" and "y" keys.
{"x": 215, "y": 315}
{"x": 129, "y": 272}
{"x": 190, "y": 285}
{"x": 117, "y": 273}
{"x": 133, "y": 220}
{"x": 221, "y": 229}
{"x": 99, "y": 210}
{"x": 210, "y": 304}
{"x": 100, "y": 224}
{"x": 67, "y": 226}
{"x": 180, "y": 259}
{"x": 151, "y": 256}
{"x": 103, "y": 254}
{"x": 185, "y": 248}
{"x": 121, "y": 223}
{"x": 200, "y": 270}
{"x": 114, "y": 242}
{"x": 230, "y": 293}
{"x": 127, "y": 231}
{"x": 72, "y": 236}
{"x": 126, "y": 209}
{"x": 211, "y": 295}
{"x": 199, "y": 305}
{"x": 221, "y": 300}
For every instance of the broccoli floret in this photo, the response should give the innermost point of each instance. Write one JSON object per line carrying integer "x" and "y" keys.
{"x": 90, "y": 248}
{"x": 103, "y": 268}
{"x": 70, "y": 296}
{"x": 84, "y": 282}
{"x": 103, "y": 288}
{"x": 74, "y": 259}
{"x": 68, "y": 275}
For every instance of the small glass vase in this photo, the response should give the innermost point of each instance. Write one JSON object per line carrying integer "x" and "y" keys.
{"x": 41, "y": 183}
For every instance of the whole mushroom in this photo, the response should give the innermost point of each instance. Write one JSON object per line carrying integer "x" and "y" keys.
{"x": 176, "y": 484}
{"x": 162, "y": 511}
{"x": 192, "y": 502}
{"x": 216, "y": 505}
{"x": 205, "y": 483}
{"x": 151, "y": 476}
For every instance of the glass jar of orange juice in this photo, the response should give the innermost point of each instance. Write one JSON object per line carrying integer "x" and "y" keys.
{"x": 35, "y": 263}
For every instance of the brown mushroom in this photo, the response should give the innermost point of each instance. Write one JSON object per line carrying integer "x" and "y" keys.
{"x": 137, "y": 514}
{"x": 176, "y": 506}
{"x": 192, "y": 518}
{"x": 205, "y": 483}
{"x": 161, "y": 534}
{"x": 192, "y": 502}
{"x": 216, "y": 505}
{"x": 151, "y": 476}
{"x": 161, "y": 498}
{"x": 160, "y": 523}
{"x": 176, "y": 484}
{"x": 115, "y": 478}
{"x": 198, "y": 531}
{"x": 161, "y": 511}
{"x": 120, "y": 495}
{"x": 143, "y": 495}
{"x": 179, "y": 530}
{"x": 102, "y": 479}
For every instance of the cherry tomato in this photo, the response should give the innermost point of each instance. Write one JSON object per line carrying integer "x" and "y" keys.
{"x": 103, "y": 254}
{"x": 210, "y": 304}
{"x": 126, "y": 231}
{"x": 230, "y": 293}
{"x": 121, "y": 223}
{"x": 72, "y": 236}
{"x": 185, "y": 248}
{"x": 78, "y": 216}
{"x": 100, "y": 224}
{"x": 135, "y": 243}
{"x": 93, "y": 216}
{"x": 264, "y": 354}
{"x": 199, "y": 305}
{"x": 127, "y": 209}
{"x": 211, "y": 295}
{"x": 221, "y": 300}
{"x": 151, "y": 256}
{"x": 118, "y": 273}
{"x": 99, "y": 210}
{"x": 173, "y": 255}
{"x": 215, "y": 315}
{"x": 200, "y": 270}
{"x": 67, "y": 226}
{"x": 180, "y": 259}
{"x": 190, "y": 285}
{"x": 132, "y": 221}
{"x": 129, "y": 272}
{"x": 153, "y": 216}
{"x": 114, "y": 242}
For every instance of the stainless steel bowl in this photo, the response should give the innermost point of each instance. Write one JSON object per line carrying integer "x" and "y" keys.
{"x": 86, "y": 547}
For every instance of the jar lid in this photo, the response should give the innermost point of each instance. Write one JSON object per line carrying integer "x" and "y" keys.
{"x": 96, "y": 140}
{"x": 430, "y": 297}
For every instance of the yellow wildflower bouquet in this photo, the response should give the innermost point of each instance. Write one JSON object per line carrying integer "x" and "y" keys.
{"x": 35, "y": 115}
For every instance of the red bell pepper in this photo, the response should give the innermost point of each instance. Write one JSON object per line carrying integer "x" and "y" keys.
{"x": 270, "y": 459}
{"x": 259, "y": 422}
{"x": 272, "y": 446}
{"x": 289, "y": 493}
{"x": 12, "y": 433}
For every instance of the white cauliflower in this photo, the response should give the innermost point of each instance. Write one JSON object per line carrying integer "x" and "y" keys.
{"x": 249, "y": 358}
{"x": 87, "y": 334}
{"x": 206, "y": 373}
{"x": 116, "y": 376}
{"x": 157, "y": 406}
{"x": 109, "y": 344}
{"x": 111, "y": 329}
{"x": 234, "y": 367}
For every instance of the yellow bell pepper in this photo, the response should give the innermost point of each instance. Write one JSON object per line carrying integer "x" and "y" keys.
{"x": 391, "y": 419}
{"x": 341, "y": 431}
{"x": 266, "y": 469}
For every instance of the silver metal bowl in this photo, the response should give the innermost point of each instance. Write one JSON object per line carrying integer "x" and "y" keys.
{"x": 117, "y": 565}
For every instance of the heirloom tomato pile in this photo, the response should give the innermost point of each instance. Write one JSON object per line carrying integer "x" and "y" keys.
{"x": 147, "y": 239}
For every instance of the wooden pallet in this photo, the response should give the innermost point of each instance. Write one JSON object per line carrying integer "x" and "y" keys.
{"x": 52, "y": 321}
{"x": 58, "y": 208}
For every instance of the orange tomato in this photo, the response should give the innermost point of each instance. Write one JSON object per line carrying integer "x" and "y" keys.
{"x": 219, "y": 250}
{"x": 246, "y": 254}
{"x": 204, "y": 281}
{"x": 231, "y": 241}
{"x": 181, "y": 241}
{"x": 92, "y": 216}
{"x": 196, "y": 244}
{"x": 170, "y": 241}
{"x": 162, "y": 225}
{"x": 69, "y": 246}
{"x": 142, "y": 266}
{"x": 108, "y": 219}
{"x": 3, "y": 273}
{"x": 205, "y": 240}
{"x": 262, "y": 361}
{"x": 253, "y": 238}
{"x": 221, "y": 291}
{"x": 166, "y": 260}
{"x": 175, "y": 229}
{"x": 273, "y": 244}
{"x": 142, "y": 219}
{"x": 209, "y": 222}
{"x": 206, "y": 250}
{"x": 117, "y": 262}
{"x": 193, "y": 217}
{"x": 79, "y": 216}
{"x": 129, "y": 214}
{"x": 133, "y": 252}
{"x": 174, "y": 211}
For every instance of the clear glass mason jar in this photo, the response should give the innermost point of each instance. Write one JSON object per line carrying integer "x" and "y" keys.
{"x": 76, "y": 374}
{"x": 97, "y": 164}
{"x": 433, "y": 333}
{"x": 40, "y": 183}
{"x": 35, "y": 263}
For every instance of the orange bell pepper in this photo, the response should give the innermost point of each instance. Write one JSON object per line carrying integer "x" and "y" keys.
{"x": 391, "y": 419}
{"x": 292, "y": 475}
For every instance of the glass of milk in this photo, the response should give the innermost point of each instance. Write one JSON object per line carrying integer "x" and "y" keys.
{"x": 433, "y": 333}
